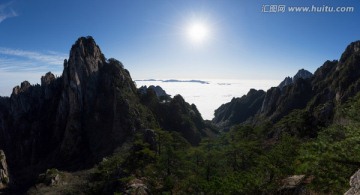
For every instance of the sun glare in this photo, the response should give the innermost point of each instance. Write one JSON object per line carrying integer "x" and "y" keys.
{"x": 198, "y": 32}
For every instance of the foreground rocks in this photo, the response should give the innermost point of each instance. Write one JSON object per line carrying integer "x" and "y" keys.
{"x": 4, "y": 173}
{"x": 354, "y": 184}
{"x": 54, "y": 181}
{"x": 295, "y": 185}
{"x": 137, "y": 187}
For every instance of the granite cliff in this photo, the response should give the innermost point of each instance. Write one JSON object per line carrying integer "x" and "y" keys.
{"x": 301, "y": 74}
{"x": 333, "y": 83}
{"x": 73, "y": 121}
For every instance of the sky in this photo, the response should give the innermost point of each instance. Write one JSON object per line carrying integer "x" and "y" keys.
{"x": 239, "y": 39}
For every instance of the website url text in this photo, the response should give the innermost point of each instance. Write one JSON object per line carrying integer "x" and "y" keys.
{"x": 305, "y": 9}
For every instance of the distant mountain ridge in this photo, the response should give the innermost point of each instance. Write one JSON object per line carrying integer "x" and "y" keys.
{"x": 302, "y": 73}
{"x": 332, "y": 83}
{"x": 160, "y": 92}
{"x": 267, "y": 102}
{"x": 176, "y": 81}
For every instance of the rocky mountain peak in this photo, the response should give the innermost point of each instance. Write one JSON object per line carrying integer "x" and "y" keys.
{"x": 85, "y": 46}
{"x": 85, "y": 55}
{"x": 80, "y": 75}
{"x": 252, "y": 91}
{"x": 353, "y": 48}
{"x": 47, "y": 79}
{"x": 25, "y": 85}
{"x": 302, "y": 73}
{"x": 160, "y": 92}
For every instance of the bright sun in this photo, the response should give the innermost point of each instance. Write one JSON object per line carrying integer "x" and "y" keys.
{"x": 198, "y": 32}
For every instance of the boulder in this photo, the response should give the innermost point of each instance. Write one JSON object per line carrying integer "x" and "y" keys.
{"x": 354, "y": 184}
{"x": 47, "y": 79}
{"x": 50, "y": 178}
{"x": 137, "y": 187}
{"x": 295, "y": 184}
{"x": 4, "y": 173}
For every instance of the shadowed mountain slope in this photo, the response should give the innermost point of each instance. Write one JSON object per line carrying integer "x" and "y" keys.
{"x": 73, "y": 121}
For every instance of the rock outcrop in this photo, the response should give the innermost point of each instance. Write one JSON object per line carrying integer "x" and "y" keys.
{"x": 47, "y": 79}
{"x": 354, "y": 184}
{"x": 4, "y": 172}
{"x": 160, "y": 92}
{"x": 295, "y": 185}
{"x": 137, "y": 187}
{"x": 301, "y": 74}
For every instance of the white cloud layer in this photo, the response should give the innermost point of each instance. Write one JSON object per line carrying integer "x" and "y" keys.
{"x": 208, "y": 97}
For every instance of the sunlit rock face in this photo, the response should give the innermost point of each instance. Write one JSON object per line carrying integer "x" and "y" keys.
{"x": 4, "y": 172}
{"x": 354, "y": 184}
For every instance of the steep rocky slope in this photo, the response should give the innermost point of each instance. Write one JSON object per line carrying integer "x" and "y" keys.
{"x": 332, "y": 84}
{"x": 73, "y": 121}
{"x": 239, "y": 109}
{"x": 175, "y": 114}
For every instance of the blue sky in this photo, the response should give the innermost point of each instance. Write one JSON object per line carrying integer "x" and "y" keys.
{"x": 150, "y": 37}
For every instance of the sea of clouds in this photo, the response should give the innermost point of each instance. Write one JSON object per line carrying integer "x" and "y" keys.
{"x": 208, "y": 95}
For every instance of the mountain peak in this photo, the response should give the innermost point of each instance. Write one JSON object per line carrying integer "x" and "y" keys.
{"x": 85, "y": 61}
{"x": 86, "y": 44}
{"x": 351, "y": 49}
{"x": 302, "y": 73}
{"x": 86, "y": 52}
{"x": 25, "y": 85}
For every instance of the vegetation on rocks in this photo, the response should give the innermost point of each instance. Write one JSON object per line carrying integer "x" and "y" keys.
{"x": 91, "y": 131}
